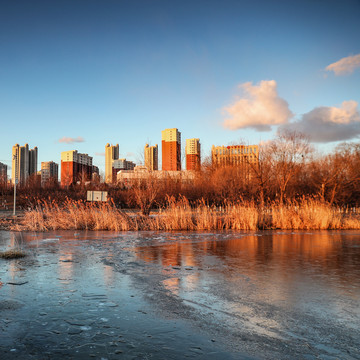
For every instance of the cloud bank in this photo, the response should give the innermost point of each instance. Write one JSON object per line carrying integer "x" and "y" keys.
{"x": 70, "y": 140}
{"x": 259, "y": 108}
{"x": 329, "y": 123}
{"x": 345, "y": 66}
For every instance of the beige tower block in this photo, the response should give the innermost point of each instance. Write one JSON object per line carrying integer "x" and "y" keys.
{"x": 111, "y": 154}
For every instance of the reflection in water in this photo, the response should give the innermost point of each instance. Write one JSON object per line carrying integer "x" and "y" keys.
{"x": 14, "y": 269}
{"x": 172, "y": 284}
{"x": 287, "y": 270}
{"x": 327, "y": 252}
{"x": 65, "y": 272}
{"x": 260, "y": 290}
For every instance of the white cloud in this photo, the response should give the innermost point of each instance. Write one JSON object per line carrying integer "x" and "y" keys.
{"x": 100, "y": 154}
{"x": 70, "y": 140}
{"x": 329, "y": 123}
{"x": 259, "y": 108}
{"x": 345, "y": 65}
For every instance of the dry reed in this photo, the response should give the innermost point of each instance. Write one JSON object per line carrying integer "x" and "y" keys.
{"x": 180, "y": 215}
{"x": 12, "y": 254}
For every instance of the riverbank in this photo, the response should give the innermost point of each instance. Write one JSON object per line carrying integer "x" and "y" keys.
{"x": 180, "y": 215}
{"x": 8, "y": 221}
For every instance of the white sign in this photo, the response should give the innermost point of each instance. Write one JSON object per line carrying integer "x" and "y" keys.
{"x": 96, "y": 196}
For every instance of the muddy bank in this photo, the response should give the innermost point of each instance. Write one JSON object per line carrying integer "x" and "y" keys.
{"x": 8, "y": 221}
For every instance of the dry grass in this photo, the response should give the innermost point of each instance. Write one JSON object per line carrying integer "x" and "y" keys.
{"x": 12, "y": 254}
{"x": 242, "y": 216}
{"x": 74, "y": 215}
{"x": 180, "y": 215}
{"x": 306, "y": 215}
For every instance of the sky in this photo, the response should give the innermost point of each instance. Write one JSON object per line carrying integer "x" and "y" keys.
{"x": 75, "y": 75}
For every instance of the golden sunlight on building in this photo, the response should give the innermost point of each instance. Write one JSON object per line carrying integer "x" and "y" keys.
{"x": 171, "y": 149}
{"x": 151, "y": 157}
{"x": 24, "y": 163}
{"x": 234, "y": 155}
{"x": 111, "y": 154}
{"x": 193, "y": 155}
{"x": 75, "y": 167}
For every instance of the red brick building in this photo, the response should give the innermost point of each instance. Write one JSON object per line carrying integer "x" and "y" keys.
{"x": 75, "y": 167}
{"x": 192, "y": 151}
{"x": 171, "y": 149}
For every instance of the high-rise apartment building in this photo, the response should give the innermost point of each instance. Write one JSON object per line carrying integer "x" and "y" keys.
{"x": 192, "y": 151}
{"x": 75, "y": 167}
{"x": 24, "y": 163}
{"x": 151, "y": 157}
{"x": 49, "y": 172}
{"x": 121, "y": 164}
{"x": 235, "y": 155}
{"x": 171, "y": 149}
{"x": 111, "y": 154}
{"x": 33, "y": 157}
{"x": 3, "y": 174}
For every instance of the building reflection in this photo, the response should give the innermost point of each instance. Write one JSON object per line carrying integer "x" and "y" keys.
{"x": 327, "y": 248}
{"x": 66, "y": 267}
{"x": 109, "y": 272}
{"x": 267, "y": 258}
{"x": 14, "y": 266}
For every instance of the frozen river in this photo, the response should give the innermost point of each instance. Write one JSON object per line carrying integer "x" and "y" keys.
{"x": 150, "y": 295}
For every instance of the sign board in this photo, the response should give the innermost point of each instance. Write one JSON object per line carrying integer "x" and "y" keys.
{"x": 96, "y": 196}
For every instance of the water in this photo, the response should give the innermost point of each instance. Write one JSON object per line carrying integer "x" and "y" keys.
{"x": 149, "y": 295}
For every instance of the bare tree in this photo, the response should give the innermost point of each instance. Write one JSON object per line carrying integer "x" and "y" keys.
{"x": 346, "y": 174}
{"x": 261, "y": 171}
{"x": 327, "y": 175}
{"x": 288, "y": 153}
{"x": 144, "y": 192}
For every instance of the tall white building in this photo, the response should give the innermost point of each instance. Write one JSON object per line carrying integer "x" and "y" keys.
{"x": 24, "y": 163}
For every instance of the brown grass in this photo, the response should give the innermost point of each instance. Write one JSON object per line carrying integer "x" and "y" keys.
{"x": 12, "y": 254}
{"x": 306, "y": 215}
{"x": 180, "y": 215}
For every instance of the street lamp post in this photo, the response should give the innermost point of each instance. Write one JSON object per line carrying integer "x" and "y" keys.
{"x": 15, "y": 183}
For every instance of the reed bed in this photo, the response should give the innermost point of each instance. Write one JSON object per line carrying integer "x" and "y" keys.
{"x": 12, "y": 254}
{"x": 242, "y": 216}
{"x": 74, "y": 215}
{"x": 307, "y": 214}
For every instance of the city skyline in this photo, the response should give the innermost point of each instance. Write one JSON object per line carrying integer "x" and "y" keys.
{"x": 74, "y": 164}
{"x": 80, "y": 75}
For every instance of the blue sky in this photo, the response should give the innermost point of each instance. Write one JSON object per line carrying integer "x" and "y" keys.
{"x": 122, "y": 71}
